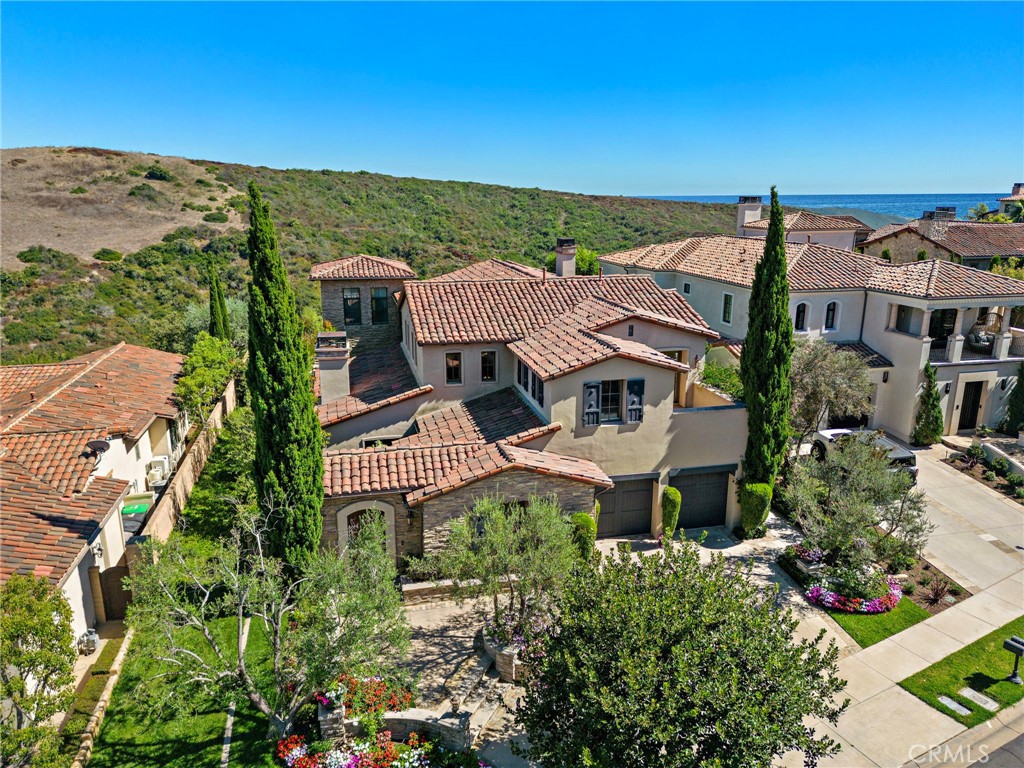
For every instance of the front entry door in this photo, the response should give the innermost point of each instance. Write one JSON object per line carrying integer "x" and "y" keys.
{"x": 970, "y": 404}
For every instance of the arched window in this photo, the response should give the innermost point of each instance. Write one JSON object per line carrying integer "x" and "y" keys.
{"x": 801, "y": 317}
{"x": 831, "y": 315}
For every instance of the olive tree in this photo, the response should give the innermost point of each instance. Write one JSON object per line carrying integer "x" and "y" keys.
{"x": 660, "y": 661}
{"x": 37, "y": 669}
{"x": 827, "y": 381}
{"x": 198, "y": 605}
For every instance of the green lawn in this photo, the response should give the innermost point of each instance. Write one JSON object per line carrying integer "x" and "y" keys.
{"x": 132, "y": 737}
{"x": 983, "y": 665}
{"x": 868, "y": 629}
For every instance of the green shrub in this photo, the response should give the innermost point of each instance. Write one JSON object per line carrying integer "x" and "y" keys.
{"x": 989, "y": 476}
{"x": 144, "y": 192}
{"x": 725, "y": 378}
{"x": 1015, "y": 480}
{"x": 886, "y": 254}
{"x": 204, "y": 182}
{"x": 671, "y": 501}
{"x": 1018, "y": 492}
{"x": 755, "y": 501}
{"x": 107, "y": 254}
{"x": 188, "y": 205}
{"x": 854, "y": 582}
{"x": 922, "y": 255}
{"x": 1000, "y": 465}
{"x": 900, "y": 563}
{"x": 79, "y": 191}
{"x": 159, "y": 173}
{"x": 909, "y": 588}
{"x": 106, "y": 658}
{"x": 584, "y": 533}
{"x": 216, "y": 217}
{"x": 974, "y": 454}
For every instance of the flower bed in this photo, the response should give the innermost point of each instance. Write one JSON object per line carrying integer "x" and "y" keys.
{"x": 379, "y": 752}
{"x": 826, "y": 598}
{"x": 366, "y": 696}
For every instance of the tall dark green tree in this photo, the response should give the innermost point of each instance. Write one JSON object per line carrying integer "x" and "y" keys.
{"x": 765, "y": 364}
{"x": 928, "y": 423}
{"x": 219, "y": 326}
{"x": 288, "y": 470}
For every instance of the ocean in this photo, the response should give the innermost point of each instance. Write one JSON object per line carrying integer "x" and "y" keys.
{"x": 903, "y": 206}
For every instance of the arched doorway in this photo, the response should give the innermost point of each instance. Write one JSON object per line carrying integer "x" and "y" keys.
{"x": 350, "y": 517}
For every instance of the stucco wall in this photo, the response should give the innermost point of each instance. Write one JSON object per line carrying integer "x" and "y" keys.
{"x": 849, "y": 310}
{"x": 78, "y": 591}
{"x": 572, "y": 495}
{"x": 432, "y": 370}
{"x": 835, "y": 238}
{"x": 332, "y": 304}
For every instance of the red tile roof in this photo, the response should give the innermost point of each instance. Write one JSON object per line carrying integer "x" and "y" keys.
{"x": 806, "y": 221}
{"x": 1012, "y": 198}
{"x": 728, "y": 259}
{"x": 378, "y": 377}
{"x": 59, "y": 459}
{"x": 937, "y": 279}
{"x": 501, "y": 415}
{"x": 118, "y": 391}
{"x": 972, "y": 239}
{"x": 42, "y": 533}
{"x": 491, "y": 269}
{"x": 509, "y": 310}
{"x": 871, "y": 358}
{"x": 362, "y": 267}
{"x": 425, "y": 472}
{"x": 733, "y": 346}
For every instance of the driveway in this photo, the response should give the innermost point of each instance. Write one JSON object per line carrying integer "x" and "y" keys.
{"x": 979, "y": 535}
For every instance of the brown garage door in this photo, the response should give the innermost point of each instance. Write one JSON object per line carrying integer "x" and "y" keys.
{"x": 626, "y": 508}
{"x": 704, "y": 498}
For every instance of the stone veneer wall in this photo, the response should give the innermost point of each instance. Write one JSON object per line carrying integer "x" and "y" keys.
{"x": 408, "y": 534}
{"x": 515, "y": 484}
{"x": 332, "y": 304}
{"x": 903, "y": 248}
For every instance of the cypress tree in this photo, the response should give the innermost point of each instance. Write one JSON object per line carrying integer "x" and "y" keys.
{"x": 1015, "y": 414}
{"x": 765, "y": 363}
{"x": 288, "y": 469}
{"x": 928, "y": 423}
{"x": 219, "y": 327}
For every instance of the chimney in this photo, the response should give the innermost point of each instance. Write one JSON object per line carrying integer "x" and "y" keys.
{"x": 565, "y": 257}
{"x": 934, "y": 227}
{"x": 747, "y": 210}
{"x": 947, "y": 212}
{"x": 332, "y": 360}
{"x": 1018, "y": 188}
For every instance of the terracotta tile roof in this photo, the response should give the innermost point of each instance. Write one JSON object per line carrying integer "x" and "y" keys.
{"x": 59, "y": 459}
{"x": 1012, "y": 198}
{"x": 425, "y": 472}
{"x": 937, "y": 279}
{"x": 501, "y": 415}
{"x": 806, "y": 221}
{"x": 362, "y": 267}
{"x": 42, "y": 533}
{"x": 973, "y": 239}
{"x": 496, "y": 458}
{"x": 728, "y": 259}
{"x": 734, "y": 346}
{"x": 508, "y": 310}
{"x": 118, "y": 390}
{"x": 491, "y": 269}
{"x": 870, "y": 357}
{"x": 378, "y": 377}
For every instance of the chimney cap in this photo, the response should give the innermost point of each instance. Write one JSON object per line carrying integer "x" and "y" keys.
{"x": 563, "y": 242}
{"x": 751, "y": 199}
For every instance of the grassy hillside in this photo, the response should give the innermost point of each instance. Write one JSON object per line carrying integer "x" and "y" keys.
{"x": 61, "y": 300}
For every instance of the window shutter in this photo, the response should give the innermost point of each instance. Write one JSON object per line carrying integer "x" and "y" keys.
{"x": 591, "y": 403}
{"x": 634, "y": 401}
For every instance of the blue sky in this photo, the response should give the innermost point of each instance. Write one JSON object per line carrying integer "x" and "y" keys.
{"x": 649, "y": 99}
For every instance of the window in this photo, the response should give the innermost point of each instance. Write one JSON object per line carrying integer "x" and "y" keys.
{"x": 634, "y": 401}
{"x": 830, "y": 315}
{"x": 453, "y": 368}
{"x": 353, "y": 307}
{"x": 686, "y": 287}
{"x": 801, "y": 317}
{"x": 489, "y": 365}
{"x": 680, "y": 356}
{"x": 630, "y": 330}
{"x": 611, "y": 401}
{"x": 727, "y": 308}
{"x": 138, "y": 453}
{"x": 522, "y": 375}
{"x": 537, "y": 388}
{"x": 379, "y": 306}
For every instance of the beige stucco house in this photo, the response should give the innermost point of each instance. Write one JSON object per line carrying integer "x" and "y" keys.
{"x": 510, "y": 380}
{"x": 897, "y": 317}
{"x": 801, "y": 226}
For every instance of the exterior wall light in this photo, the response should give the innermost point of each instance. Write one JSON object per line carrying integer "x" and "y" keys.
{"x": 885, "y": 377}
{"x": 1002, "y": 383}
{"x": 948, "y": 385}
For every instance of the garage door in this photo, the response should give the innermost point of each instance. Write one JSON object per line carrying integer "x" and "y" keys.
{"x": 626, "y": 508}
{"x": 704, "y": 498}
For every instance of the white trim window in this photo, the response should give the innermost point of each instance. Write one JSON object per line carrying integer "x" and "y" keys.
{"x": 727, "y": 302}
{"x": 832, "y": 313}
{"x": 800, "y": 316}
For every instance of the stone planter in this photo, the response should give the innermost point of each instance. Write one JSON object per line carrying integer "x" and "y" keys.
{"x": 450, "y": 730}
{"x": 813, "y": 570}
{"x": 506, "y": 659}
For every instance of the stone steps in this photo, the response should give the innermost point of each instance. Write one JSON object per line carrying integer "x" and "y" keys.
{"x": 465, "y": 679}
{"x": 484, "y": 702}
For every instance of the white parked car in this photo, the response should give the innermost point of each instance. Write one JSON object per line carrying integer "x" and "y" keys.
{"x": 901, "y": 458}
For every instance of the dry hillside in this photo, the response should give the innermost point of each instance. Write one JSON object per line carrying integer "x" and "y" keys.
{"x": 78, "y": 200}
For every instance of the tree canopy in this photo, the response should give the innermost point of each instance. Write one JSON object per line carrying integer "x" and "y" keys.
{"x": 288, "y": 470}
{"x": 659, "y": 661}
{"x": 928, "y": 423}
{"x": 220, "y": 327}
{"x": 38, "y": 653}
{"x": 208, "y": 368}
{"x": 827, "y": 382}
{"x": 765, "y": 363}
